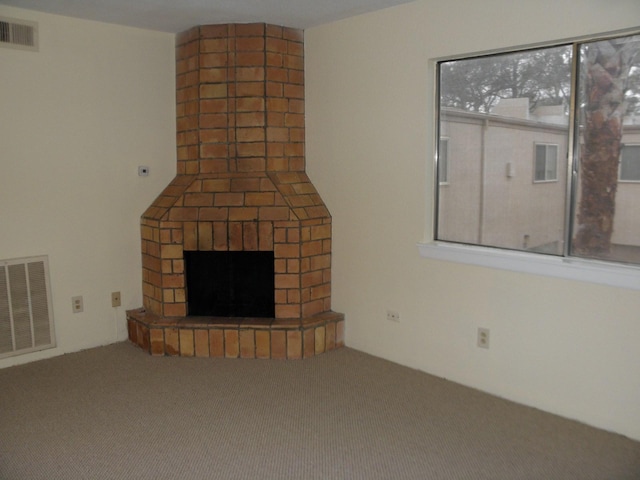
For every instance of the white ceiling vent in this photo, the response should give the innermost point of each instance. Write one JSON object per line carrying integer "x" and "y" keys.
{"x": 20, "y": 34}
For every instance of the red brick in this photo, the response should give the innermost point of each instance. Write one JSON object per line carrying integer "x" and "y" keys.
{"x": 251, "y": 164}
{"x": 214, "y": 31}
{"x": 278, "y": 134}
{"x": 201, "y": 343}
{"x": 229, "y": 199}
{"x": 231, "y": 344}
{"x": 263, "y": 344}
{"x": 250, "y": 59}
{"x": 213, "y": 135}
{"x": 216, "y": 185}
{"x": 252, "y": 119}
{"x": 175, "y": 310}
{"x": 294, "y": 345}
{"x": 287, "y": 311}
{"x": 276, "y": 45}
{"x": 243, "y": 213}
{"x": 320, "y": 337}
{"x": 286, "y": 251}
{"x": 214, "y": 150}
{"x": 293, "y": 91}
{"x": 156, "y": 337}
{"x": 235, "y": 236}
{"x": 198, "y": 199}
{"x": 274, "y": 213}
{"x": 287, "y": 281}
{"x": 276, "y": 74}
{"x": 275, "y": 59}
{"x": 171, "y": 342}
{"x": 309, "y": 343}
{"x": 214, "y": 45}
{"x": 265, "y": 236}
{"x": 220, "y": 240}
{"x": 312, "y": 308}
{"x": 250, "y": 89}
{"x": 250, "y": 236}
{"x": 275, "y": 89}
{"x": 250, "y": 74}
{"x": 216, "y": 343}
{"x": 205, "y": 236}
{"x": 213, "y": 90}
{"x": 257, "y": 149}
{"x": 254, "y": 134}
{"x": 250, "y": 44}
{"x": 278, "y": 344}
{"x": 247, "y": 344}
{"x": 293, "y": 62}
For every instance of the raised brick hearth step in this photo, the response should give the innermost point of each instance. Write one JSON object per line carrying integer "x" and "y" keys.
{"x": 286, "y": 339}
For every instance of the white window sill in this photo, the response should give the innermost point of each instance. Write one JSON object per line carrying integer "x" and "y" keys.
{"x": 538, "y": 264}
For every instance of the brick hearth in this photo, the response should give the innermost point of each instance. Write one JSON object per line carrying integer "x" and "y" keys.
{"x": 285, "y": 339}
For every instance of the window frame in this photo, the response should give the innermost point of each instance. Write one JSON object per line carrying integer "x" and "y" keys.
{"x": 561, "y": 267}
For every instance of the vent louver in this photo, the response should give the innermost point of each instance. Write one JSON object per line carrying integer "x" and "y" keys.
{"x": 19, "y": 34}
{"x": 26, "y": 315}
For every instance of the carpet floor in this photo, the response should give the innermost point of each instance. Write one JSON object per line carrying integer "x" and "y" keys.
{"x": 115, "y": 412}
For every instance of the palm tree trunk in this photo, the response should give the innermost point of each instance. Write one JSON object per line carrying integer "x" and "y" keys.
{"x": 607, "y": 66}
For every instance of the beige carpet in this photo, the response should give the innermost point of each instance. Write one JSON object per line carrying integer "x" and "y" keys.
{"x": 116, "y": 413}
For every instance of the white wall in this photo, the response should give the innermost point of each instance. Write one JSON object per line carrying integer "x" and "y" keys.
{"x": 563, "y": 346}
{"x": 76, "y": 120}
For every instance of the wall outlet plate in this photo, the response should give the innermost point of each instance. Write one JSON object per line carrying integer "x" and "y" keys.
{"x": 393, "y": 316}
{"x": 116, "y": 300}
{"x": 77, "y": 304}
{"x": 483, "y": 337}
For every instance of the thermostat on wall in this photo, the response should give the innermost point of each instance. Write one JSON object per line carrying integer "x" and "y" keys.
{"x": 143, "y": 171}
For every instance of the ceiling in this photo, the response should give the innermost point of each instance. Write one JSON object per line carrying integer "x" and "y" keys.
{"x": 178, "y": 15}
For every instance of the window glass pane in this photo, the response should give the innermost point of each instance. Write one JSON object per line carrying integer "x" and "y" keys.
{"x": 541, "y": 159}
{"x": 630, "y": 163}
{"x": 492, "y": 110}
{"x": 606, "y": 224}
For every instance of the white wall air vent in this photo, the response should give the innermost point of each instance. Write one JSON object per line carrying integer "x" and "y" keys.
{"x": 20, "y": 34}
{"x": 26, "y": 313}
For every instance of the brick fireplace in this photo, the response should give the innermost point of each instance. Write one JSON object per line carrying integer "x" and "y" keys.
{"x": 240, "y": 186}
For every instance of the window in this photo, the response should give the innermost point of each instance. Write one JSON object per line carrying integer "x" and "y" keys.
{"x": 630, "y": 163}
{"x": 546, "y": 163}
{"x": 492, "y": 108}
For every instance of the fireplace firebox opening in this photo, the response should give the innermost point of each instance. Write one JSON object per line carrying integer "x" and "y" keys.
{"x": 230, "y": 284}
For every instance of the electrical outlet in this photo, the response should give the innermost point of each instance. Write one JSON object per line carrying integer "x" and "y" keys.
{"x": 393, "y": 316}
{"x": 77, "y": 304}
{"x": 483, "y": 337}
{"x": 115, "y": 299}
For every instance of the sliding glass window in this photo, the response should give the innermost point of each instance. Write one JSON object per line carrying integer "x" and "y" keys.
{"x": 533, "y": 142}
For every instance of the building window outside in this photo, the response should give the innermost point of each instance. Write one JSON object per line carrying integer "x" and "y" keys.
{"x": 494, "y": 107}
{"x": 546, "y": 163}
{"x": 630, "y": 163}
